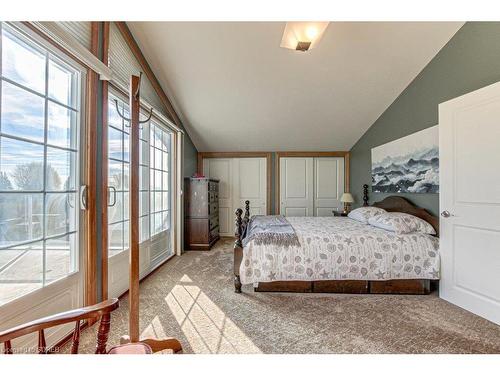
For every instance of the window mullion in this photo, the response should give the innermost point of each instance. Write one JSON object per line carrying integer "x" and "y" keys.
{"x": 44, "y": 200}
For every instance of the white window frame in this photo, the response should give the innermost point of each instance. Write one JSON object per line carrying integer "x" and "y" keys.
{"x": 39, "y": 43}
{"x": 68, "y": 292}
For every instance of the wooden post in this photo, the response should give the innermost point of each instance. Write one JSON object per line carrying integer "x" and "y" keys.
{"x": 134, "y": 210}
{"x": 246, "y": 218}
{"x": 238, "y": 249}
{"x": 133, "y": 301}
{"x": 102, "y": 334}
{"x": 104, "y": 170}
{"x": 365, "y": 195}
{"x": 238, "y": 230}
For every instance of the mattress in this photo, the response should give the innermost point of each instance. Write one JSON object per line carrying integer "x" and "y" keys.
{"x": 339, "y": 248}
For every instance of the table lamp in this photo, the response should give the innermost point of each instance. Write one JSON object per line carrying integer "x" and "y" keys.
{"x": 347, "y": 199}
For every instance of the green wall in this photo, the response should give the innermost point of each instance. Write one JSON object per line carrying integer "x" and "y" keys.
{"x": 190, "y": 157}
{"x": 470, "y": 60}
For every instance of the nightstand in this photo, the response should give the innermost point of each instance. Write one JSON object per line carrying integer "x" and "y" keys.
{"x": 338, "y": 213}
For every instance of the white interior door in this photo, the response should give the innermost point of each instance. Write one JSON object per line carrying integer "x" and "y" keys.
{"x": 250, "y": 183}
{"x": 469, "y": 131}
{"x": 296, "y": 186}
{"x": 328, "y": 185}
{"x": 222, "y": 170}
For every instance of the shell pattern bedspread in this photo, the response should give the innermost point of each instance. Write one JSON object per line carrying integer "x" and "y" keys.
{"x": 339, "y": 248}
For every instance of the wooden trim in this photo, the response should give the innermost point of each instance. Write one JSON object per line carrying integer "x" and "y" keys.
{"x": 305, "y": 154}
{"x": 134, "y": 47}
{"x": 277, "y": 201}
{"x": 246, "y": 154}
{"x": 175, "y": 190}
{"x": 269, "y": 173}
{"x": 237, "y": 154}
{"x": 309, "y": 154}
{"x": 90, "y": 222}
{"x": 104, "y": 167}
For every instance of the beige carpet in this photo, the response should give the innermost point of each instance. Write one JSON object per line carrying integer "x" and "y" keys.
{"x": 192, "y": 298}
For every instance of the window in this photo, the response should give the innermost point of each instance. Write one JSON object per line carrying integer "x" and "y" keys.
{"x": 154, "y": 186}
{"x": 39, "y": 121}
{"x": 159, "y": 177}
{"x": 118, "y": 177}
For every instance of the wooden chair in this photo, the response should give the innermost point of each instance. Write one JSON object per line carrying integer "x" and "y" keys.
{"x": 101, "y": 310}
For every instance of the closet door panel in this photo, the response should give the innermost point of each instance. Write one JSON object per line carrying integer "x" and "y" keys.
{"x": 240, "y": 179}
{"x": 250, "y": 183}
{"x": 328, "y": 185}
{"x": 296, "y": 186}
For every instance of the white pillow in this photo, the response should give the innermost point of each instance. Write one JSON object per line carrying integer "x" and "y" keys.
{"x": 401, "y": 223}
{"x": 362, "y": 214}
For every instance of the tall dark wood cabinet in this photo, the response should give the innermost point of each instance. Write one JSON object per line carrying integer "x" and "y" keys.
{"x": 201, "y": 213}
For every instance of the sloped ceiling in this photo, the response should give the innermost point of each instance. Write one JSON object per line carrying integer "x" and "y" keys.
{"x": 237, "y": 90}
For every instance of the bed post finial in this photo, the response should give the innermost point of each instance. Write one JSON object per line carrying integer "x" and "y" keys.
{"x": 238, "y": 249}
{"x": 365, "y": 195}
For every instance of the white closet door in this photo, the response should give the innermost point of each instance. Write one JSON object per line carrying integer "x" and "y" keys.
{"x": 469, "y": 131}
{"x": 240, "y": 179}
{"x": 296, "y": 186}
{"x": 250, "y": 183}
{"x": 328, "y": 185}
{"x": 222, "y": 170}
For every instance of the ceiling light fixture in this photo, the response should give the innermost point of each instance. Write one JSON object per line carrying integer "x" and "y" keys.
{"x": 302, "y": 36}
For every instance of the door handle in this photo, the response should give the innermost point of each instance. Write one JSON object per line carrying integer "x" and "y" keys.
{"x": 112, "y": 188}
{"x": 83, "y": 197}
{"x": 446, "y": 214}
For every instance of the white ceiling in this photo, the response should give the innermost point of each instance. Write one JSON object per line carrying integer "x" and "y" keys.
{"x": 237, "y": 90}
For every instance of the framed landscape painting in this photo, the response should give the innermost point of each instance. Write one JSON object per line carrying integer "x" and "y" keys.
{"x": 407, "y": 165}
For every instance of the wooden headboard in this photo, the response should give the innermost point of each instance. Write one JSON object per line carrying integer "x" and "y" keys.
{"x": 399, "y": 204}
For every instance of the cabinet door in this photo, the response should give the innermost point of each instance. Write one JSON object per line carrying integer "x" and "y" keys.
{"x": 296, "y": 186}
{"x": 328, "y": 185}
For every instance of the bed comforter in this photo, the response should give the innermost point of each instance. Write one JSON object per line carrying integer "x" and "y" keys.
{"x": 339, "y": 248}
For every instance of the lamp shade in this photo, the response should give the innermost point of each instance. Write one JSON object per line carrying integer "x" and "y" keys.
{"x": 346, "y": 198}
{"x": 302, "y": 36}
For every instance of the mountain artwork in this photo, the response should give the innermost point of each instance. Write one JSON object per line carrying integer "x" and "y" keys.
{"x": 407, "y": 165}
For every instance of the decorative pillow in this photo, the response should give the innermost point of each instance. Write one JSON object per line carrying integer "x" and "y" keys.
{"x": 362, "y": 214}
{"x": 401, "y": 223}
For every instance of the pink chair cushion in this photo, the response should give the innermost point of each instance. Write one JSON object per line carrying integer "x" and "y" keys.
{"x": 131, "y": 348}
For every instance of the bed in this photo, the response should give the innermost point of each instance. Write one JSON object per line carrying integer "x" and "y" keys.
{"x": 340, "y": 255}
